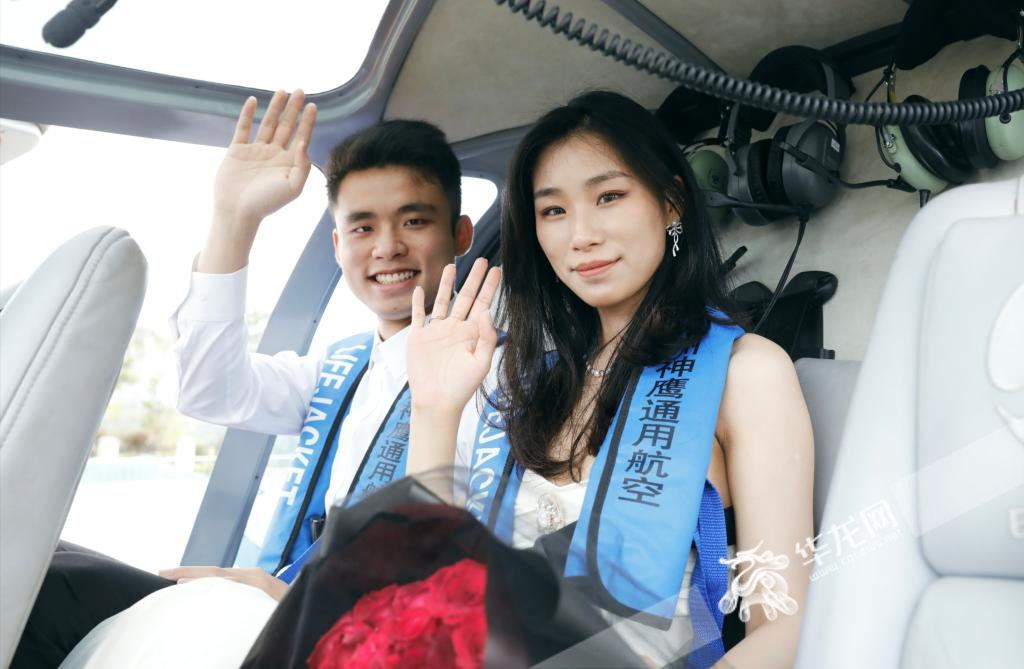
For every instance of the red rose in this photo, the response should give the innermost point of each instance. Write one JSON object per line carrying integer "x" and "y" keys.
{"x": 468, "y": 641}
{"x": 434, "y": 623}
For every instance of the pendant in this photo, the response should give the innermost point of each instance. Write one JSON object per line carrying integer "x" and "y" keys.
{"x": 549, "y": 514}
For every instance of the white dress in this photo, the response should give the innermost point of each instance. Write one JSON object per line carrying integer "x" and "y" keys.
{"x": 209, "y": 623}
{"x": 660, "y": 646}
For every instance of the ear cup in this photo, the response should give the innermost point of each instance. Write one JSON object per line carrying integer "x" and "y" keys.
{"x": 903, "y": 161}
{"x": 712, "y": 175}
{"x": 741, "y": 188}
{"x": 937, "y": 149}
{"x": 802, "y": 184}
{"x": 972, "y": 134}
{"x": 773, "y": 172}
{"x": 757, "y": 166}
{"x": 1006, "y": 139}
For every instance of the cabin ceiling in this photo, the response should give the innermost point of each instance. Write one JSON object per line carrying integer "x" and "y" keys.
{"x": 476, "y": 68}
{"x": 736, "y": 33}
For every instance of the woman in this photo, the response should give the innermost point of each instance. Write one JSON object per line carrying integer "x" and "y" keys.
{"x": 611, "y": 263}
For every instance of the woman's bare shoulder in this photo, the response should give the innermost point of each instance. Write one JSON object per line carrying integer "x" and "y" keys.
{"x": 760, "y": 378}
{"x": 753, "y": 349}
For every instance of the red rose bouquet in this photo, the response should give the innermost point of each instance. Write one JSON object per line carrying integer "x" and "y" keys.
{"x": 402, "y": 579}
{"x": 436, "y": 622}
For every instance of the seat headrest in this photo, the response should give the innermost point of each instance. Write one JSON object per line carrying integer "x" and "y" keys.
{"x": 63, "y": 334}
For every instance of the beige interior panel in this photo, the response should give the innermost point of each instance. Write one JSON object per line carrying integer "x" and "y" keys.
{"x": 476, "y": 68}
{"x": 737, "y": 33}
{"x": 856, "y": 237}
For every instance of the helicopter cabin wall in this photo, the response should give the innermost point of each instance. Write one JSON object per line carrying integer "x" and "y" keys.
{"x": 857, "y": 235}
{"x": 474, "y": 68}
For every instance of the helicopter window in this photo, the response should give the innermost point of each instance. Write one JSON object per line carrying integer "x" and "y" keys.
{"x": 150, "y": 464}
{"x": 317, "y": 49}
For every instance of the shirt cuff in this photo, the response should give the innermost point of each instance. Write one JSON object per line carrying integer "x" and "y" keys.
{"x": 215, "y": 297}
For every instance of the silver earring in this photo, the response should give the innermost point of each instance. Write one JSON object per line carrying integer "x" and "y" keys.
{"x": 674, "y": 230}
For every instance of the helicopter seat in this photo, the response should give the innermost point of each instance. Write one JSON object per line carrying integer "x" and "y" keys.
{"x": 920, "y": 554}
{"x": 63, "y": 336}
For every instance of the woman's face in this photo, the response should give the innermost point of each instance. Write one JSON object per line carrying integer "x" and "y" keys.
{"x": 601, "y": 229}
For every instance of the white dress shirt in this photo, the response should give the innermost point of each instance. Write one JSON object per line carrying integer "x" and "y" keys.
{"x": 221, "y": 382}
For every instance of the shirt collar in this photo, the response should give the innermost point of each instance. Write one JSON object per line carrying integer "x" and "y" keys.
{"x": 390, "y": 353}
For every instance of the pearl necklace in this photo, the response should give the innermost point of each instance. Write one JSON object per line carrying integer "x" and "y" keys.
{"x": 596, "y": 372}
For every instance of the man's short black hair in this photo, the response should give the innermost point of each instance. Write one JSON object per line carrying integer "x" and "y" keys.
{"x": 418, "y": 145}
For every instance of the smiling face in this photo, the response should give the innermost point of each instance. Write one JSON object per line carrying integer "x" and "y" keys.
{"x": 600, "y": 228}
{"x": 393, "y": 232}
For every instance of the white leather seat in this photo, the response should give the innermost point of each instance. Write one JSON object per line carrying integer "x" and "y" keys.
{"x": 63, "y": 335}
{"x": 6, "y": 293}
{"x": 929, "y": 479}
{"x": 827, "y": 386}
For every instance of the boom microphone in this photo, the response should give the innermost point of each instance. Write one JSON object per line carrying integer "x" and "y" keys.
{"x": 809, "y": 162}
{"x": 718, "y": 200}
{"x": 70, "y": 23}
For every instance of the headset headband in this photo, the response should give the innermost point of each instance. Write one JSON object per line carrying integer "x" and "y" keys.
{"x": 798, "y": 68}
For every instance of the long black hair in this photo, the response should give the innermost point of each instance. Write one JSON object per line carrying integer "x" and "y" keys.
{"x": 538, "y": 398}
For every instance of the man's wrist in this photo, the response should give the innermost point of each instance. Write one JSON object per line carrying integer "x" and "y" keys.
{"x": 228, "y": 245}
{"x": 233, "y": 222}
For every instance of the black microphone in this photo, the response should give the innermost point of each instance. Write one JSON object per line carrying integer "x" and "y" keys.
{"x": 718, "y": 200}
{"x": 730, "y": 262}
{"x": 809, "y": 162}
{"x": 70, "y": 23}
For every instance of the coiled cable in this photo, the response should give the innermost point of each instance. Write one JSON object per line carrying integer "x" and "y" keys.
{"x": 750, "y": 93}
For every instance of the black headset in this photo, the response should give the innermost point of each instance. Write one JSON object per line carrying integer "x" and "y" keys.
{"x": 798, "y": 168}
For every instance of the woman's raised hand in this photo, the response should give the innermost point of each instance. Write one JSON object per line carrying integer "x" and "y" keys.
{"x": 449, "y": 357}
{"x": 258, "y": 177}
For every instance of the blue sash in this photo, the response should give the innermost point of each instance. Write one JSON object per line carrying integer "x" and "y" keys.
{"x": 290, "y": 536}
{"x": 649, "y": 478}
{"x": 388, "y": 454}
{"x": 384, "y": 462}
{"x": 302, "y": 498}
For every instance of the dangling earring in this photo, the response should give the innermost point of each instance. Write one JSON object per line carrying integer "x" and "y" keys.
{"x": 675, "y": 229}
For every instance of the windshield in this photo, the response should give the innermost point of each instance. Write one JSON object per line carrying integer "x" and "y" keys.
{"x": 260, "y": 44}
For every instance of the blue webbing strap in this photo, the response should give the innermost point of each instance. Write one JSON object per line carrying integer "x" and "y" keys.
{"x": 709, "y": 582}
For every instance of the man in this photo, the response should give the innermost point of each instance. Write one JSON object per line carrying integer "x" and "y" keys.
{"x": 394, "y": 192}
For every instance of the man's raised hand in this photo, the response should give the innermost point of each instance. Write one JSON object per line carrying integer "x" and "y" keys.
{"x": 256, "y": 178}
{"x": 259, "y": 177}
